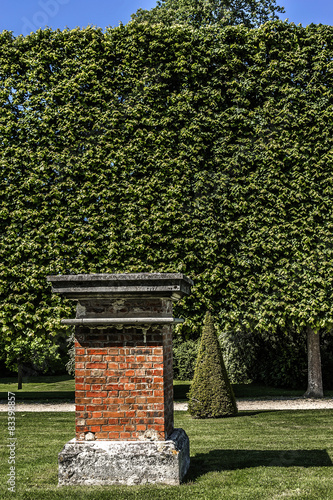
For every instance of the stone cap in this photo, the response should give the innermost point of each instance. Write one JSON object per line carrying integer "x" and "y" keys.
{"x": 79, "y": 286}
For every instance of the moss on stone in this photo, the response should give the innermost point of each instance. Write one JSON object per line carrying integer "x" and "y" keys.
{"x": 211, "y": 394}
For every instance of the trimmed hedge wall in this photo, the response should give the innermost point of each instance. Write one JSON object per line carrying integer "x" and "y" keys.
{"x": 151, "y": 148}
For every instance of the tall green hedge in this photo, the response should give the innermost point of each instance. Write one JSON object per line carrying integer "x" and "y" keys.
{"x": 151, "y": 148}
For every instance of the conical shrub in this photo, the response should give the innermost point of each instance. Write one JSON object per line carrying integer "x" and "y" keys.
{"x": 211, "y": 394}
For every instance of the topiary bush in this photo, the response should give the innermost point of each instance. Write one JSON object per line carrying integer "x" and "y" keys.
{"x": 211, "y": 394}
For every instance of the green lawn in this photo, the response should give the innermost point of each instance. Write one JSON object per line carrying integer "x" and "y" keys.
{"x": 254, "y": 456}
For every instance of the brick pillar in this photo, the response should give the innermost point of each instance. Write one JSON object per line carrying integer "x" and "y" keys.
{"x": 123, "y": 362}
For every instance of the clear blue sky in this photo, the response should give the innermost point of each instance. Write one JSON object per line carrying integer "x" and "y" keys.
{"x": 23, "y": 16}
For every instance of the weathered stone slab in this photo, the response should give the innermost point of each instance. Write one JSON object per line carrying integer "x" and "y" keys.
{"x": 173, "y": 285}
{"x": 125, "y": 462}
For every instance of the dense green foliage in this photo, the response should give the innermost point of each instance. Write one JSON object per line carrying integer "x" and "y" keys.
{"x": 185, "y": 353}
{"x": 198, "y": 13}
{"x": 153, "y": 148}
{"x": 278, "y": 359}
{"x": 211, "y": 394}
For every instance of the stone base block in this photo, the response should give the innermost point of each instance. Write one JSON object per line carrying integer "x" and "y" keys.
{"x": 125, "y": 462}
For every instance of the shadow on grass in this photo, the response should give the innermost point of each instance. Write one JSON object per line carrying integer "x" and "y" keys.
{"x": 40, "y": 396}
{"x": 219, "y": 460}
{"x": 180, "y": 392}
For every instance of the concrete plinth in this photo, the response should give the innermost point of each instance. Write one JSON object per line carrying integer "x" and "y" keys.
{"x": 125, "y": 462}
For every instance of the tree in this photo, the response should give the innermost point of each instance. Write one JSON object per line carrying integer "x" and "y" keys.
{"x": 36, "y": 352}
{"x": 197, "y": 13}
{"x": 315, "y": 380}
{"x": 211, "y": 394}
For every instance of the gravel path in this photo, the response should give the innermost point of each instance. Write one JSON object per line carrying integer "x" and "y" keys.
{"x": 243, "y": 405}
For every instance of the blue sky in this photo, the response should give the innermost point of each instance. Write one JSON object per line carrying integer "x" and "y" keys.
{"x": 23, "y": 16}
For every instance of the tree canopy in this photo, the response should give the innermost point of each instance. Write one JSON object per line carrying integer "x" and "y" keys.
{"x": 197, "y": 13}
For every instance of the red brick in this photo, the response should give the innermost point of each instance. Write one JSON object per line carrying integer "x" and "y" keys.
{"x": 141, "y": 427}
{"x": 113, "y": 366}
{"x": 95, "y": 428}
{"x": 113, "y": 401}
{"x": 96, "y": 414}
{"x": 96, "y": 401}
{"x": 125, "y": 435}
{"x": 129, "y": 387}
{"x": 145, "y": 393}
{"x": 113, "y": 414}
{"x": 159, "y": 421}
{"x": 113, "y": 428}
{"x": 124, "y": 421}
{"x": 129, "y": 428}
{"x": 95, "y": 387}
{"x": 130, "y": 400}
{"x": 124, "y": 394}
{"x": 101, "y": 366}
{"x": 159, "y": 428}
{"x": 96, "y": 421}
{"x": 95, "y": 350}
{"x": 101, "y": 436}
{"x": 92, "y": 408}
{"x": 114, "y": 435}
{"x": 130, "y": 413}
{"x": 96, "y": 358}
{"x": 112, "y": 350}
{"x": 113, "y": 421}
{"x": 96, "y": 394}
{"x": 81, "y": 428}
{"x": 114, "y": 387}
{"x": 80, "y": 359}
{"x": 94, "y": 373}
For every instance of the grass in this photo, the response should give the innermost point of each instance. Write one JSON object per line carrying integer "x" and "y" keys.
{"x": 254, "y": 456}
{"x": 48, "y": 388}
{"x": 41, "y": 387}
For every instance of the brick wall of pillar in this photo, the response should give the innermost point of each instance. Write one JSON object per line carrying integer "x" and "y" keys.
{"x": 124, "y": 383}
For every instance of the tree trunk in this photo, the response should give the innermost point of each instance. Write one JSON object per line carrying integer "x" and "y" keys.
{"x": 19, "y": 375}
{"x": 315, "y": 380}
